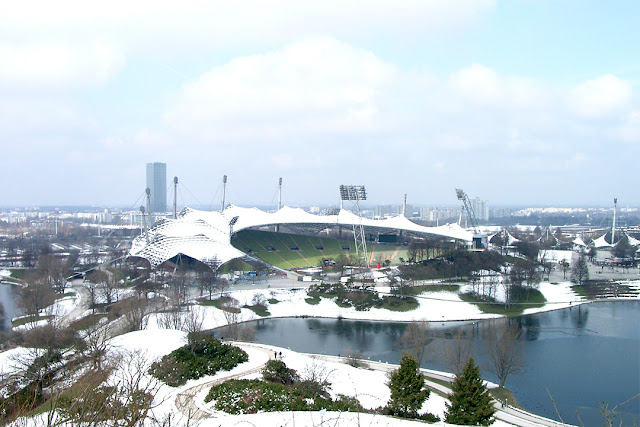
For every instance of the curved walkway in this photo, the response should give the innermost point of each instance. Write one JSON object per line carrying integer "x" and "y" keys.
{"x": 185, "y": 401}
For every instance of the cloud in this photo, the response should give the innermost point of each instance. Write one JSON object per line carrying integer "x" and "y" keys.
{"x": 319, "y": 84}
{"x": 629, "y": 129}
{"x": 56, "y": 64}
{"x": 196, "y": 26}
{"x": 484, "y": 86}
{"x": 601, "y": 97}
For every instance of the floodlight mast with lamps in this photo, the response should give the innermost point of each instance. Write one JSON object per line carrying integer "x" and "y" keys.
{"x": 355, "y": 193}
{"x": 462, "y": 196}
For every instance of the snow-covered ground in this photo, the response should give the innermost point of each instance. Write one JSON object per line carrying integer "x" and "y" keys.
{"x": 433, "y": 306}
{"x": 369, "y": 386}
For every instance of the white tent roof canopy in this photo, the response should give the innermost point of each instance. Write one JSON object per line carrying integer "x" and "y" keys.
{"x": 206, "y": 235}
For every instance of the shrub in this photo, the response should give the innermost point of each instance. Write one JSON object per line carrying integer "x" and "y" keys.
{"x": 252, "y": 396}
{"x": 203, "y": 355}
{"x": 276, "y": 371}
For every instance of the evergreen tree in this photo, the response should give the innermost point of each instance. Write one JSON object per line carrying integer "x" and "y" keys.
{"x": 408, "y": 391}
{"x": 470, "y": 399}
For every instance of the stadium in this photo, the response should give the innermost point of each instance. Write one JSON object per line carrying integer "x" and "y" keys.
{"x": 287, "y": 239}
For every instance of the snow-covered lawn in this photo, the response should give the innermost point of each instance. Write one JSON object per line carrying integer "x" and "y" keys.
{"x": 433, "y": 306}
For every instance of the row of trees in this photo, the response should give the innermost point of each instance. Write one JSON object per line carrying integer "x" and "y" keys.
{"x": 469, "y": 401}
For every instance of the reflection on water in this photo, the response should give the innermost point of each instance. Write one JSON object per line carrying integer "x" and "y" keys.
{"x": 8, "y": 309}
{"x": 583, "y": 355}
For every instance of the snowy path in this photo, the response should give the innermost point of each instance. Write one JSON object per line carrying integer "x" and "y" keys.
{"x": 186, "y": 400}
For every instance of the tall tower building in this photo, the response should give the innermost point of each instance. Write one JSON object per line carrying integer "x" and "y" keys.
{"x": 157, "y": 183}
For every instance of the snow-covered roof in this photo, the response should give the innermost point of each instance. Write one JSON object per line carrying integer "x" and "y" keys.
{"x": 579, "y": 242}
{"x": 632, "y": 240}
{"x": 206, "y": 235}
{"x": 600, "y": 242}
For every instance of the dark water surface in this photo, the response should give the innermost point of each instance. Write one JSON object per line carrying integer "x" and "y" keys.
{"x": 8, "y": 308}
{"x": 582, "y": 355}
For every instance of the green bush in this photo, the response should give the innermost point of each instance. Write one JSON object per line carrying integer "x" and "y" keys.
{"x": 275, "y": 371}
{"x": 252, "y": 396}
{"x": 203, "y": 355}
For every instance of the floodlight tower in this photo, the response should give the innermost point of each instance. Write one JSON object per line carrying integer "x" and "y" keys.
{"x": 355, "y": 193}
{"x": 279, "y": 201}
{"x": 148, "y": 191}
{"x": 404, "y": 206}
{"x": 462, "y": 196}
{"x": 175, "y": 197}
{"x": 224, "y": 189}
{"x": 613, "y": 225}
{"x": 145, "y": 230}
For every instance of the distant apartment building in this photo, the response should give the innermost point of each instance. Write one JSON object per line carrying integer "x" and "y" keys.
{"x": 500, "y": 213}
{"x": 480, "y": 209}
{"x": 157, "y": 183}
{"x": 384, "y": 210}
{"x": 430, "y": 213}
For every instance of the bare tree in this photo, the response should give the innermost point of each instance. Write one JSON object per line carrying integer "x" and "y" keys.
{"x": 456, "y": 351}
{"x": 221, "y": 284}
{"x": 96, "y": 342}
{"x": 565, "y": 267}
{"x": 135, "y": 313}
{"x": 505, "y": 351}
{"x": 170, "y": 319}
{"x": 36, "y": 295}
{"x": 179, "y": 287}
{"x": 126, "y": 398}
{"x": 102, "y": 288}
{"x": 193, "y": 320}
{"x": 414, "y": 340}
{"x": 54, "y": 269}
{"x": 580, "y": 271}
{"x": 92, "y": 290}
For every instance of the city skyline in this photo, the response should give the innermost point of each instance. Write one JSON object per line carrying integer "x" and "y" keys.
{"x": 519, "y": 103}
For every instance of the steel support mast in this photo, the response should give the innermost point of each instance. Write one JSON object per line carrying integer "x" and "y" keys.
{"x": 356, "y": 193}
{"x": 467, "y": 206}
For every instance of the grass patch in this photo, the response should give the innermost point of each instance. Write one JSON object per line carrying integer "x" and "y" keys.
{"x": 533, "y": 299}
{"x": 581, "y": 291}
{"x": 68, "y": 294}
{"x": 207, "y": 302}
{"x": 28, "y": 319}
{"x": 417, "y": 290}
{"x": 260, "y": 310}
{"x": 273, "y": 301}
{"x": 400, "y": 303}
{"x": 17, "y": 273}
{"x": 220, "y": 304}
{"x": 87, "y": 322}
{"x": 313, "y": 300}
{"x": 501, "y": 394}
{"x": 440, "y": 381}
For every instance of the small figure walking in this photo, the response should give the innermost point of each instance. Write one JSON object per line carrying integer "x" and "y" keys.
{"x": 280, "y": 355}
{"x": 275, "y": 355}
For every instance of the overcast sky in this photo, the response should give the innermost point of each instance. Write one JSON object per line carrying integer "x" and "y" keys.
{"x": 528, "y": 102}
